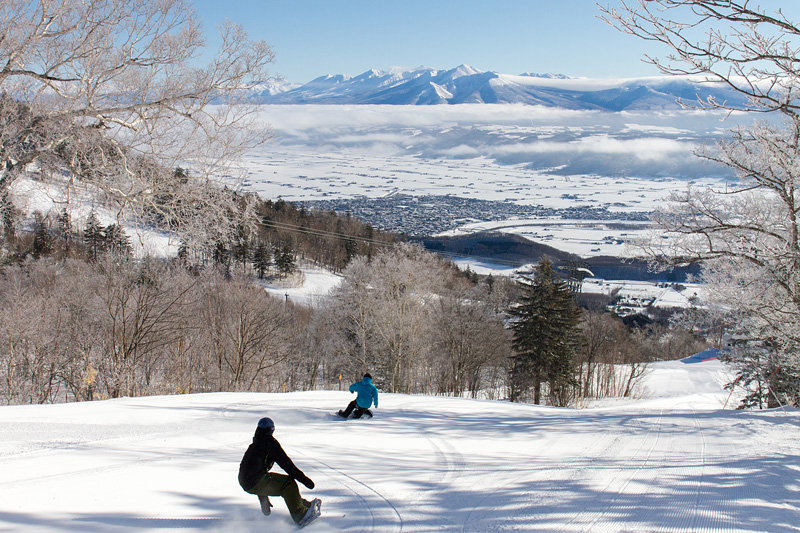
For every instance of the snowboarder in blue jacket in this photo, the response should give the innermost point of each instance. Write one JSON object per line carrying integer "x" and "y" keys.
{"x": 367, "y": 395}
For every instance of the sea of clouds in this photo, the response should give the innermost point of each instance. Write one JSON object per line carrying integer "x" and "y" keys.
{"x": 558, "y": 141}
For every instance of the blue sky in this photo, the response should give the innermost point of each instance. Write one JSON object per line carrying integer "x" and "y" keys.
{"x": 312, "y": 38}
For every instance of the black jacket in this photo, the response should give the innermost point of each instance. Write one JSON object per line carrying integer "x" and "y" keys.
{"x": 264, "y": 452}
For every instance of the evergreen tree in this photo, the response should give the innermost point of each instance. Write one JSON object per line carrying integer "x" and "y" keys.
{"x": 64, "y": 228}
{"x": 7, "y": 215}
{"x": 284, "y": 259}
{"x": 350, "y": 250}
{"x": 759, "y": 371}
{"x": 261, "y": 259}
{"x": 183, "y": 253}
{"x": 115, "y": 240}
{"x": 222, "y": 256}
{"x": 41, "y": 236}
{"x": 93, "y": 236}
{"x": 240, "y": 246}
{"x": 546, "y": 336}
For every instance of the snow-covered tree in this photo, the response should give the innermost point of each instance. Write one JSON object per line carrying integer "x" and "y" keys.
{"x": 736, "y": 43}
{"x": 284, "y": 258}
{"x": 748, "y": 234}
{"x": 111, "y": 94}
{"x": 115, "y": 240}
{"x": 470, "y": 341}
{"x": 385, "y": 317}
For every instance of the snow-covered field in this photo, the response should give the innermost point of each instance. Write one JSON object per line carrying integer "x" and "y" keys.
{"x": 528, "y": 155}
{"x": 672, "y": 460}
{"x": 582, "y": 237}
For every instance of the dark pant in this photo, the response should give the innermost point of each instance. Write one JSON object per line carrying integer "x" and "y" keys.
{"x": 357, "y": 411}
{"x": 273, "y": 484}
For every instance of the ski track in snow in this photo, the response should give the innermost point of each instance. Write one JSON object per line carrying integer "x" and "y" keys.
{"x": 668, "y": 463}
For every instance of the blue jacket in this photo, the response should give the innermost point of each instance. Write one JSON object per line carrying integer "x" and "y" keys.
{"x": 367, "y": 393}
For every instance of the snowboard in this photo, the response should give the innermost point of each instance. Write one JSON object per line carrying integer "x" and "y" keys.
{"x": 315, "y": 512}
{"x": 367, "y": 415}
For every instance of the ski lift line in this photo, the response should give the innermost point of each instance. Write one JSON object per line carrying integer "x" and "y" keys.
{"x": 325, "y": 233}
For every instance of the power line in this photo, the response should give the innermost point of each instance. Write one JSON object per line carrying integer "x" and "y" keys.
{"x": 326, "y": 233}
{"x": 323, "y": 233}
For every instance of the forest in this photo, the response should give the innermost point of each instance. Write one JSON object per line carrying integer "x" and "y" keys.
{"x": 82, "y": 319}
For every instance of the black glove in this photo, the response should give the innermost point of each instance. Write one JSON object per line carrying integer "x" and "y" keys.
{"x": 307, "y": 482}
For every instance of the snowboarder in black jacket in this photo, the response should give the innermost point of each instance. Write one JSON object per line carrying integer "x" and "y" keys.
{"x": 255, "y": 477}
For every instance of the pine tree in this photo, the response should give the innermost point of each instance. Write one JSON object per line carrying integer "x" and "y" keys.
{"x": 759, "y": 371}
{"x": 284, "y": 259}
{"x": 546, "y": 334}
{"x": 350, "y": 250}
{"x": 183, "y": 254}
{"x": 41, "y": 236}
{"x": 115, "y": 240}
{"x": 93, "y": 236}
{"x": 64, "y": 228}
{"x": 7, "y": 215}
{"x": 222, "y": 256}
{"x": 261, "y": 259}
{"x": 240, "y": 246}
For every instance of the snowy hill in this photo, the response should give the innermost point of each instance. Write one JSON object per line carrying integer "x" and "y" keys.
{"x": 672, "y": 461}
{"x": 466, "y": 84}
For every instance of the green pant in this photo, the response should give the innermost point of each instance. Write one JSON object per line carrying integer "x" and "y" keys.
{"x": 273, "y": 484}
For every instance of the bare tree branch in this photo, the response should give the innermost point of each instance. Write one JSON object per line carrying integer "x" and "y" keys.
{"x": 735, "y": 43}
{"x": 111, "y": 93}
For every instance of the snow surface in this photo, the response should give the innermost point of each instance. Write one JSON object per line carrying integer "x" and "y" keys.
{"x": 673, "y": 460}
{"x": 307, "y": 287}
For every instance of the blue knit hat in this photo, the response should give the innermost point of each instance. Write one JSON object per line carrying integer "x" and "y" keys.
{"x": 268, "y": 424}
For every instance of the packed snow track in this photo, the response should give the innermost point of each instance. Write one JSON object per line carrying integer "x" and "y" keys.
{"x": 673, "y": 460}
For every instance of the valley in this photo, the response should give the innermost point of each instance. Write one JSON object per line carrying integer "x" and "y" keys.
{"x": 583, "y": 182}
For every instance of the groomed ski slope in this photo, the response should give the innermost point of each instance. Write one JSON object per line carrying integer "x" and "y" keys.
{"x": 672, "y": 461}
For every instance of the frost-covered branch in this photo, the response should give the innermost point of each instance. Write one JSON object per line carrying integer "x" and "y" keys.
{"x": 737, "y": 43}
{"x": 114, "y": 93}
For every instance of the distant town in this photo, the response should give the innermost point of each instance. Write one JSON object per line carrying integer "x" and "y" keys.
{"x": 431, "y": 215}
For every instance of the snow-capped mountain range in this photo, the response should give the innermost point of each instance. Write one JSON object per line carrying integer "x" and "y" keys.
{"x": 468, "y": 85}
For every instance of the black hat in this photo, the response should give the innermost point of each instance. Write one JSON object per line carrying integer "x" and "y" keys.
{"x": 367, "y": 375}
{"x": 268, "y": 424}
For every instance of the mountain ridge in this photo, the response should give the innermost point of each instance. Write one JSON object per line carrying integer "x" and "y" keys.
{"x": 467, "y": 85}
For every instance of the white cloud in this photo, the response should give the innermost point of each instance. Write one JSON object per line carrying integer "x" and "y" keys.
{"x": 630, "y": 143}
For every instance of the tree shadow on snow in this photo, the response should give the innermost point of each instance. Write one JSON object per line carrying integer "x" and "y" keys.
{"x": 750, "y": 495}
{"x": 213, "y": 514}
